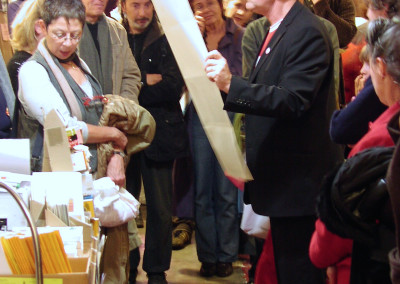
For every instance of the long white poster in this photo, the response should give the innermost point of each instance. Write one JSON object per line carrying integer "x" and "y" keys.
{"x": 189, "y": 49}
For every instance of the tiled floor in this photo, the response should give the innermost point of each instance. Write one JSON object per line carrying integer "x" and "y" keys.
{"x": 185, "y": 268}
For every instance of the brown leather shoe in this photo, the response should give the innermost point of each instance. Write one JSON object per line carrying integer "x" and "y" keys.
{"x": 207, "y": 269}
{"x": 224, "y": 269}
{"x": 181, "y": 236}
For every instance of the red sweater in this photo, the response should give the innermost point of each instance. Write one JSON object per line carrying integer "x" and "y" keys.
{"x": 327, "y": 249}
{"x": 378, "y": 134}
{"x": 351, "y": 68}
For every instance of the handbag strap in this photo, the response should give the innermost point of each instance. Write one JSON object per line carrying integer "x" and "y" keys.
{"x": 66, "y": 88}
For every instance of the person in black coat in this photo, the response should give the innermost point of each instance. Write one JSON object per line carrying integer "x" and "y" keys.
{"x": 162, "y": 86}
{"x": 288, "y": 101}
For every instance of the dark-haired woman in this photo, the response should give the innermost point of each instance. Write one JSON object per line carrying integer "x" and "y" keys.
{"x": 216, "y": 198}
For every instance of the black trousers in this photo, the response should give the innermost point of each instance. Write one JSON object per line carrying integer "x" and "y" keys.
{"x": 291, "y": 239}
{"x": 133, "y": 176}
{"x": 157, "y": 183}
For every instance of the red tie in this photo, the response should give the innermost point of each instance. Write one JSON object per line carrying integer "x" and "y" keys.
{"x": 266, "y": 42}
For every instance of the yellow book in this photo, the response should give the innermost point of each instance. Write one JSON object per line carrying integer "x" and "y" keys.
{"x": 13, "y": 254}
{"x": 89, "y": 207}
{"x": 23, "y": 256}
{"x": 29, "y": 245}
{"x": 29, "y": 242}
{"x": 18, "y": 254}
{"x": 64, "y": 255}
{"x": 47, "y": 246}
{"x": 27, "y": 262}
{"x": 55, "y": 254}
{"x": 9, "y": 255}
{"x": 29, "y": 259}
{"x": 46, "y": 260}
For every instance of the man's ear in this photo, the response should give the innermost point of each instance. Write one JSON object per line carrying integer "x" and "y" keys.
{"x": 123, "y": 9}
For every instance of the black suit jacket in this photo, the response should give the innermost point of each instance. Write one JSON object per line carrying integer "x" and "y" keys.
{"x": 288, "y": 101}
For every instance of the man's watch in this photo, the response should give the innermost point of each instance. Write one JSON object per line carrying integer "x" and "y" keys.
{"x": 119, "y": 152}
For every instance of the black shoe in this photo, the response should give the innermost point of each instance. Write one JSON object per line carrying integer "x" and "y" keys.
{"x": 134, "y": 259}
{"x": 156, "y": 278}
{"x": 139, "y": 220}
{"x": 207, "y": 269}
{"x": 224, "y": 269}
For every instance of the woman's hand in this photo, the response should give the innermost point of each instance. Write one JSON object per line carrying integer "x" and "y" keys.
{"x": 200, "y": 21}
{"x": 116, "y": 170}
{"x": 359, "y": 83}
{"x": 331, "y": 274}
{"x": 119, "y": 139}
{"x": 105, "y": 134}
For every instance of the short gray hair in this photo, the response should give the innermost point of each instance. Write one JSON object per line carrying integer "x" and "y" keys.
{"x": 69, "y": 9}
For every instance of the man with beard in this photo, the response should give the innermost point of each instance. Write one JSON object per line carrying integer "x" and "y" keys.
{"x": 104, "y": 47}
{"x": 288, "y": 100}
{"x": 161, "y": 90}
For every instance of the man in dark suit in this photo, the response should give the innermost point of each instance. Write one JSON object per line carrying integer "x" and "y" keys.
{"x": 288, "y": 101}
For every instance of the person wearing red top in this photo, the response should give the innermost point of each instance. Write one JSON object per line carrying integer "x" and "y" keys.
{"x": 385, "y": 80}
{"x": 327, "y": 249}
{"x": 378, "y": 134}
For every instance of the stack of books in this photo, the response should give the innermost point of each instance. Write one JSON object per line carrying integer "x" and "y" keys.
{"x": 19, "y": 253}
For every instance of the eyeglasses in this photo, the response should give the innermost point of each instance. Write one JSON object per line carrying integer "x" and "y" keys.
{"x": 74, "y": 38}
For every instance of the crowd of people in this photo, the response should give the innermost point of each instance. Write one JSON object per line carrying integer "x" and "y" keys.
{"x": 314, "y": 100}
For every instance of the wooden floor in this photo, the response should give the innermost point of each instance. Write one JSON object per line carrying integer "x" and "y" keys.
{"x": 185, "y": 268}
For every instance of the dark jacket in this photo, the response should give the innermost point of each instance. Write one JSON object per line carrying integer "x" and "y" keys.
{"x": 162, "y": 99}
{"x": 288, "y": 101}
{"x": 340, "y": 13}
{"x": 393, "y": 184}
{"x": 351, "y": 123}
{"x": 253, "y": 37}
{"x": 13, "y": 66}
{"x": 355, "y": 204}
{"x": 355, "y": 195}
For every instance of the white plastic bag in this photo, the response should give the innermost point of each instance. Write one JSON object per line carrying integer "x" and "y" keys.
{"x": 254, "y": 224}
{"x": 113, "y": 206}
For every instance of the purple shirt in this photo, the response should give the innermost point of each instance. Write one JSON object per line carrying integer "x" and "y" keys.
{"x": 230, "y": 47}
